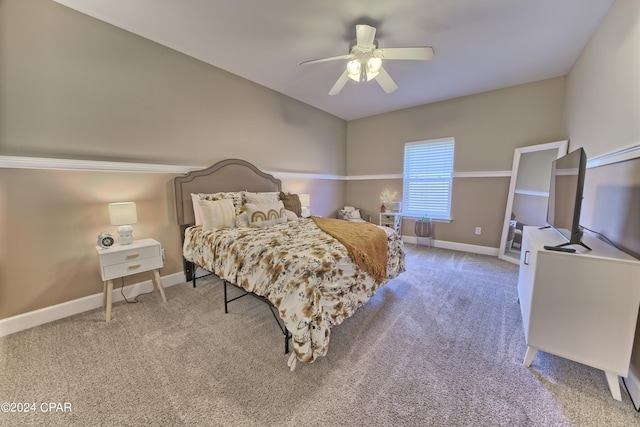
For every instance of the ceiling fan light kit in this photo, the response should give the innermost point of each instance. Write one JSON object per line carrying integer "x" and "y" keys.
{"x": 365, "y": 60}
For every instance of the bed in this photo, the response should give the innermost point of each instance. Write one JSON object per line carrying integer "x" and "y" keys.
{"x": 307, "y": 269}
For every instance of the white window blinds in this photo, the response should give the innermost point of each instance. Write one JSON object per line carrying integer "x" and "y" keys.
{"x": 428, "y": 173}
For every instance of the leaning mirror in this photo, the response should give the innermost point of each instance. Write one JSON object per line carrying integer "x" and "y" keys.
{"x": 528, "y": 194}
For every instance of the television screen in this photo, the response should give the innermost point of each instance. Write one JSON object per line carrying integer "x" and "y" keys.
{"x": 565, "y": 194}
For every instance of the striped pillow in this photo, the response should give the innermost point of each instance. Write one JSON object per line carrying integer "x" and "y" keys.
{"x": 292, "y": 203}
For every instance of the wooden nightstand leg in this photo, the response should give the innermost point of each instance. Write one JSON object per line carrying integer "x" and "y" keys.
{"x": 158, "y": 283}
{"x": 104, "y": 293}
{"x": 108, "y": 304}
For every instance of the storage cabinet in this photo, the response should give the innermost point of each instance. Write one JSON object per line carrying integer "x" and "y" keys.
{"x": 582, "y": 306}
{"x": 392, "y": 220}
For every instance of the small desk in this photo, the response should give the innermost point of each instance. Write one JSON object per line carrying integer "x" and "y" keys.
{"x": 124, "y": 260}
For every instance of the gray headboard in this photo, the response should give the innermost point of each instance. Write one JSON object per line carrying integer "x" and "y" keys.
{"x": 226, "y": 175}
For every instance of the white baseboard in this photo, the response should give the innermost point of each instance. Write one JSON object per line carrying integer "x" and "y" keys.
{"x": 633, "y": 386}
{"x": 464, "y": 247}
{"x": 34, "y": 318}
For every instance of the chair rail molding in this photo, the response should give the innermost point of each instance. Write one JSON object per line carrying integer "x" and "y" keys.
{"x": 628, "y": 152}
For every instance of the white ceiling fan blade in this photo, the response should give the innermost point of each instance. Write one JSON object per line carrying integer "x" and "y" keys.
{"x": 365, "y": 35}
{"x": 332, "y": 58}
{"x": 385, "y": 81}
{"x": 342, "y": 80}
{"x": 423, "y": 53}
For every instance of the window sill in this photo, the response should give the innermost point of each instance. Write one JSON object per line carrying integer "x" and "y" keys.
{"x": 432, "y": 219}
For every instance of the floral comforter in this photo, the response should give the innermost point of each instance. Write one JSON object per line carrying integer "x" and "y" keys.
{"x": 305, "y": 273}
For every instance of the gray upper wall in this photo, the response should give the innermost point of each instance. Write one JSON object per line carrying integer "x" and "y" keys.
{"x": 75, "y": 87}
{"x": 603, "y": 87}
{"x": 487, "y": 128}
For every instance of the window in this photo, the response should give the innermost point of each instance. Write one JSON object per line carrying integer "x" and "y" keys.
{"x": 428, "y": 173}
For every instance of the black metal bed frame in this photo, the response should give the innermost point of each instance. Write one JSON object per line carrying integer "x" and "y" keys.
{"x": 279, "y": 321}
{"x": 225, "y": 175}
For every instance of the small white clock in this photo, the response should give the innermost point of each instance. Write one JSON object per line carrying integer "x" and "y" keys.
{"x": 105, "y": 240}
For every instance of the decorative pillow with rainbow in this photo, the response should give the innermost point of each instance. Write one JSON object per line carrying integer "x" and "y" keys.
{"x": 266, "y": 214}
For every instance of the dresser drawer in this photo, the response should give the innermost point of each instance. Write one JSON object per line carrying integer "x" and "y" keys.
{"x": 131, "y": 267}
{"x": 130, "y": 255}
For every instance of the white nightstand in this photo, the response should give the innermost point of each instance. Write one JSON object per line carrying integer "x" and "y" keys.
{"x": 125, "y": 260}
{"x": 392, "y": 220}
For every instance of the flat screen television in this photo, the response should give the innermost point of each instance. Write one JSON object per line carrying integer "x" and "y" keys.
{"x": 565, "y": 196}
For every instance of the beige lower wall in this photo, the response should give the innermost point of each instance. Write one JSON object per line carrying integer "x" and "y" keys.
{"x": 52, "y": 219}
{"x": 365, "y": 194}
{"x": 326, "y": 195}
{"x": 476, "y": 202}
{"x": 49, "y": 221}
{"x": 611, "y": 204}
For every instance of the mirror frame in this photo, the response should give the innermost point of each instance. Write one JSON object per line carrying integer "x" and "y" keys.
{"x": 562, "y": 147}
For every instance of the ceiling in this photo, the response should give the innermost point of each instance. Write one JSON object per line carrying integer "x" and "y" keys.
{"x": 480, "y": 45}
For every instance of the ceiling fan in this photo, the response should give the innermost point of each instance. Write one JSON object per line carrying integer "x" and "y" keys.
{"x": 365, "y": 60}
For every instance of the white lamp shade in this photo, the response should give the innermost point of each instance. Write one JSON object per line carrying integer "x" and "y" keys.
{"x": 305, "y": 200}
{"x": 123, "y": 213}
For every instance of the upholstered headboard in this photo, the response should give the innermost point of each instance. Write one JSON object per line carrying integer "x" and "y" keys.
{"x": 226, "y": 175}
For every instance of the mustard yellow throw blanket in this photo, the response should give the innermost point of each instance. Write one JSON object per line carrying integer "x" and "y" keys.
{"x": 365, "y": 242}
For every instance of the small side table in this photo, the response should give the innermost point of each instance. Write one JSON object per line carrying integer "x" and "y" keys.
{"x": 124, "y": 260}
{"x": 392, "y": 220}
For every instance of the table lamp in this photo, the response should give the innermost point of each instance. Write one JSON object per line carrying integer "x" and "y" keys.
{"x": 123, "y": 214}
{"x": 305, "y": 203}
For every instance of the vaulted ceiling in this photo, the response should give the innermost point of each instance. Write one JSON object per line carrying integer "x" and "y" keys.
{"x": 479, "y": 45}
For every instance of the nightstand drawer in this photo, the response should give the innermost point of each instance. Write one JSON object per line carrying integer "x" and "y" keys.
{"x": 131, "y": 267}
{"x": 130, "y": 255}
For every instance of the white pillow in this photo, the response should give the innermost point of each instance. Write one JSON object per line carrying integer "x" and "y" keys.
{"x": 242, "y": 220}
{"x": 272, "y": 212}
{"x": 261, "y": 198}
{"x": 349, "y": 208}
{"x": 195, "y": 198}
{"x": 350, "y": 214}
{"x": 217, "y": 214}
{"x": 290, "y": 215}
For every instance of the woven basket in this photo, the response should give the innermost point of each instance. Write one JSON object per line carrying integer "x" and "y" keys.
{"x": 423, "y": 228}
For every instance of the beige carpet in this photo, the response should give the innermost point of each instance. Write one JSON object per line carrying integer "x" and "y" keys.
{"x": 440, "y": 345}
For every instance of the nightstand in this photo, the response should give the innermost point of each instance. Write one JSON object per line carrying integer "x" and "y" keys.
{"x": 124, "y": 260}
{"x": 392, "y": 220}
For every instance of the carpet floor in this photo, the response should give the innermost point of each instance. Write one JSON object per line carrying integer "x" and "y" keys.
{"x": 441, "y": 345}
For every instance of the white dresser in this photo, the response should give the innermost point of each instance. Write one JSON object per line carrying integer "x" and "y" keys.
{"x": 581, "y": 306}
